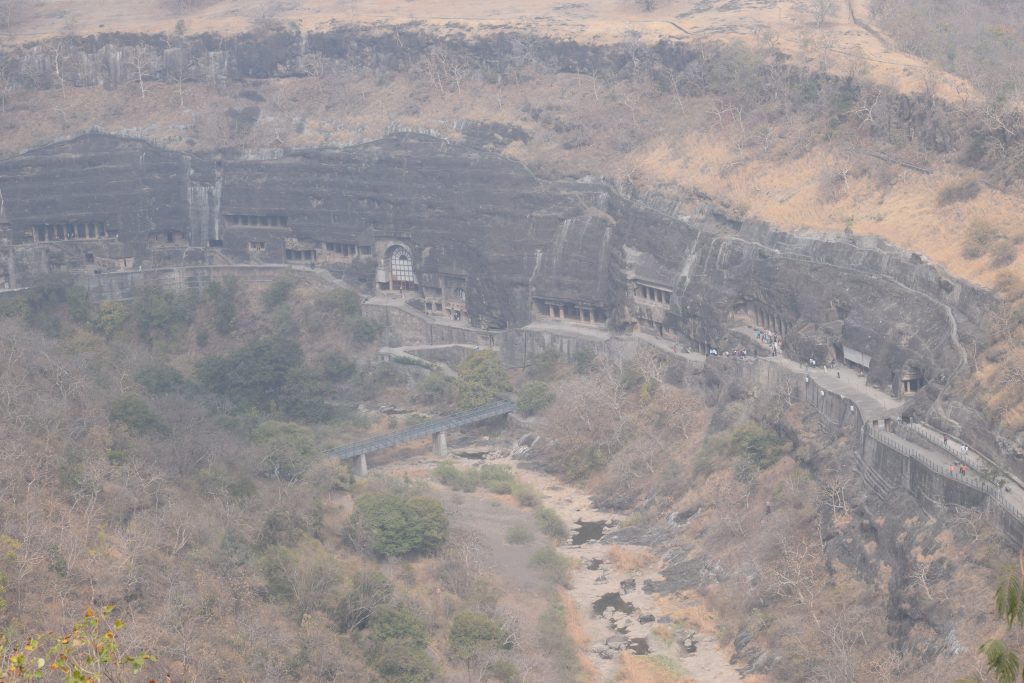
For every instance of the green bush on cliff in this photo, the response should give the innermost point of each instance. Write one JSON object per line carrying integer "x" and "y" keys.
{"x": 481, "y": 379}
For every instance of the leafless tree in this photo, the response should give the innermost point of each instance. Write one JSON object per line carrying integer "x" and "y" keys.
{"x": 58, "y": 55}
{"x": 833, "y": 496}
{"x": 794, "y": 574}
{"x": 446, "y": 69}
{"x": 139, "y": 62}
{"x": 823, "y": 10}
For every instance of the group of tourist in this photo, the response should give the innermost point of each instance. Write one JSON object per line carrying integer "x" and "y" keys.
{"x": 735, "y": 353}
{"x": 958, "y": 468}
{"x": 769, "y": 339}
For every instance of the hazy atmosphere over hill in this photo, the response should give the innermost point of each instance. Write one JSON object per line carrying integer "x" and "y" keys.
{"x": 612, "y": 340}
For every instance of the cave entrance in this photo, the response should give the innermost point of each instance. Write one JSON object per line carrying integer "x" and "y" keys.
{"x": 911, "y": 381}
{"x": 398, "y": 269}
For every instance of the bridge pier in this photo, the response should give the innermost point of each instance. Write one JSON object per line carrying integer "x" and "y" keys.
{"x": 440, "y": 442}
{"x": 361, "y": 467}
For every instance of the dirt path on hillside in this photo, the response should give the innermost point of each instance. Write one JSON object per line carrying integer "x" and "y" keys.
{"x": 642, "y": 623}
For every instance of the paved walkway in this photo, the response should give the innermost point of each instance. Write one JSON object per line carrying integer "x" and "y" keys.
{"x": 876, "y": 405}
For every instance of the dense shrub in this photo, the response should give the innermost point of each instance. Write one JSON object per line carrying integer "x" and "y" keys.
{"x": 550, "y": 523}
{"x": 980, "y": 238}
{"x": 755, "y": 448}
{"x": 436, "y": 389}
{"x": 289, "y": 449}
{"x": 525, "y": 494}
{"x": 473, "y": 633}
{"x": 343, "y": 303}
{"x": 45, "y": 303}
{"x": 161, "y": 379}
{"x": 391, "y": 525}
{"x": 158, "y": 313}
{"x": 583, "y": 360}
{"x": 253, "y": 375}
{"x": 109, "y": 318}
{"x": 958, "y": 192}
{"x": 370, "y": 590}
{"x": 223, "y": 297}
{"x": 534, "y": 397}
{"x": 553, "y": 564}
{"x": 1002, "y": 253}
{"x": 282, "y": 527}
{"x": 495, "y": 478}
{"x": 337, "y": 367}
{"x": 363, "y": 331}
{"x": 582, "y": 462}
{"x": 482, "y": 378}
{"x": 465, "y": 480}
{"x": 134, "y": 413}
{"x": 279, "y": 291}
{"x": 404, "y": 662}
{"x": 519, "y": 534}
{"x": 544, "y": 364}
{"x": 398, "y": 622}
{"x": 303, "y": 396}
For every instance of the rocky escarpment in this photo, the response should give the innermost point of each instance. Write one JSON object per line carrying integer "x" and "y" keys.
{"x": 519, "y": 247}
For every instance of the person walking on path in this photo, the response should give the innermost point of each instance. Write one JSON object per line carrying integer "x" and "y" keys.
{"x": 952, "y": 468}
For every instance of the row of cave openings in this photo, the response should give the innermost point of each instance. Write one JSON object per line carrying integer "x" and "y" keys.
{"x": 650, "y": 301}
{"x": 72, "y": 231}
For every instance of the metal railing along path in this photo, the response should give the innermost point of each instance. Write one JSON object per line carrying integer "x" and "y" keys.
{"x": 424, "y": 429}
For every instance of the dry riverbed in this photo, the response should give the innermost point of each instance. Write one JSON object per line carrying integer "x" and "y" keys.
{"x": 628, "y": 635}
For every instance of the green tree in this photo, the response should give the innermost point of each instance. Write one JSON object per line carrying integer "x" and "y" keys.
{"x": 110, "y": 318}
{"x": 534, "y": 397}
{"x": 398, "y": 622}
{"x": 391, "y": 525}
{"x": 159, "y": 313}
{"x": 481, "y": 379}
{"x": 756, "y": 448}
{"x": 288, "y": 449}
{"x": 404, "y": 662}
{"x": 253, "y": 375}
{"x": 472, "y": 633}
